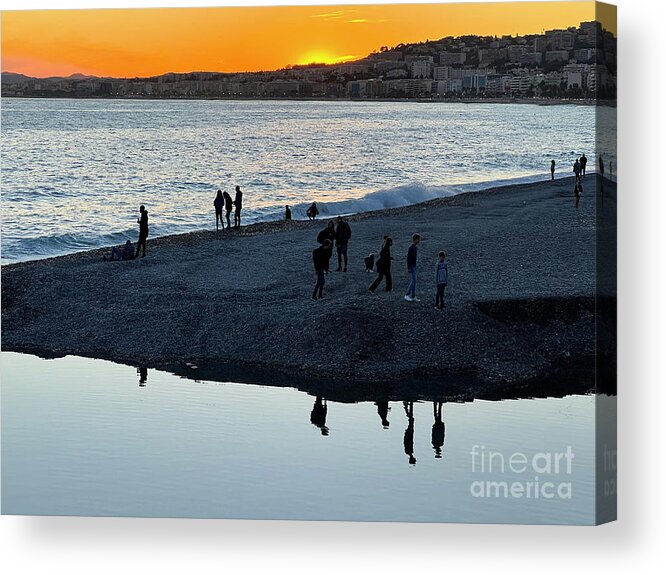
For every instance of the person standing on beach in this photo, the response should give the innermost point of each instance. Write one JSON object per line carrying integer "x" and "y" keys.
{"x": 287, "y": 213}
{"x": 384, "y": 267}
{"x": 342, "y": 237}
{"x": 319, "y": 258}
{"x": 411, "y": 268}
{"x": 441, "y": 279}
{"x": 143, "y": 231}
{"x": 218, "y": 202}
{"x": 583, "y": 164}
{"x": 328, "y": 234}
{"x": 552, "y": 169}
{"x": 228, "y": 206}
{"x": 576, "y": 169}
{"x": 238, "y": 202}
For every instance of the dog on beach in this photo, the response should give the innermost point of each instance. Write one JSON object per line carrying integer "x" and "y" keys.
{"x": 369, "y": 263}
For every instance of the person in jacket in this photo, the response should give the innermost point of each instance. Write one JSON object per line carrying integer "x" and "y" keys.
{"x": 384, "y": 267}
{"x": 228, "y": 206}
{"x": 238, "y": 202}
{"x": 576, "y": 169}
{"x": 319, "y": 259}
{"x": 218, "y": 203}
{"x": 342, "y": 236}
{"x": 583, "y": 164}
{"x": 143, "y": 231}
{"x": 287, "y": 213}
{"x": 328, "y": 234}
{"x": 411, "y": 268}
{"x": 441, "y": 279}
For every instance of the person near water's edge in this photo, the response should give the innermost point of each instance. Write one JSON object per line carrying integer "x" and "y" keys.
{"x": 576, "y": 169}
{"x": 328, "y": 233}
{"x": 319, "y": 259}
{"x": 121, "y": 254}
{"x": 384, "y": 267}
{"x": 441, "y": 279}
{"x": 342, "y": 236}
{"x": 313, "y": 211}
{"x": 143, "y": 231}
{"x": 238, "y": 202}
{"x": 218, "y": 202}
{"x": 411, "y": 268}
{"x": 583, "y": 164}
{"x": 228, "y": 206}
{"x": 552, "y": 169}
{"x": 287, "y": 213}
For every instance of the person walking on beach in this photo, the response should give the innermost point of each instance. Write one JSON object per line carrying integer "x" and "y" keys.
{"x": 408, "y": 440}
{"x": 313, "y": 211}
{"x": 327, "y": 235}
{"x": 218, "y": 202}
{"x": 342, "y": 236}
{"x": 438, "y": 430}
{"x": 576, "y": 169}
{"x": 441, "y": 279}
{"x": 552, "y": 169}
{"x": 411, "y": 268}
{"x": 583, "y": 164}
{"x": 287, "y": 213}
{"x": 238, "y": 202}
{"x": 384, "y": 267}
{"x": 319, "y": 259}
{"x": 143, "y": 231}
{"x": 228, "y": 206}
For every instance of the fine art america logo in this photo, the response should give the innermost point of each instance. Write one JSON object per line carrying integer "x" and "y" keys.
{"x": 519, "y": 475}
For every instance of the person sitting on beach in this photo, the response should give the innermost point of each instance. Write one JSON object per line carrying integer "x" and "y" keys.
{"x": 121, "y": 254}
{"x": 218, "y": 202}
{"x": 578, "y": 190}
{"x": 313, "y": 211}
{"x": 342, "y": 236}
{"x": 411, "y": 268}
{"x": 319, "y": 259}
{"x": 238, "y": 202}
{"x": 143, "y": 231}
{"x": 287, "y": 213}
{"x": 328, "y": 234}
{"x": 384, "y": 267}
{"x": 441, "y": 279}
{"x": 228, "y": 206}
{"x": 576, "y": 169}
{"x": 552, "y": 169}
{"x": 583, "y": 164}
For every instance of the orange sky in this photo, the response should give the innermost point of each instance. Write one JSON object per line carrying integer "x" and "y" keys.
{"x": 145, "y": 42}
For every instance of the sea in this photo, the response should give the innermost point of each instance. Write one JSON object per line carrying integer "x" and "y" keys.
{"x": 74, "y": 172}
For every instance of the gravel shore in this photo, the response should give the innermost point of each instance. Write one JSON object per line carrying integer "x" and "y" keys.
{"x": 520, "y": 316}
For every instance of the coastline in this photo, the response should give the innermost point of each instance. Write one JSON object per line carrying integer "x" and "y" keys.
{"x": 236, "y": 305}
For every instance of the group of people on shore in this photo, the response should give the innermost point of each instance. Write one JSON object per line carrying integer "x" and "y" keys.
{"x": 320, "y": 411}
{"x": 223, "y": 202}
{"x": 339, "y": 234}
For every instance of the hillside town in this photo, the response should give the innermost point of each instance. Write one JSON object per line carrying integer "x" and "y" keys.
{"x": 573, "y": 63}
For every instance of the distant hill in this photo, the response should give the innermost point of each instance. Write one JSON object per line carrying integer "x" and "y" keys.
{"x": 13, "y": 78}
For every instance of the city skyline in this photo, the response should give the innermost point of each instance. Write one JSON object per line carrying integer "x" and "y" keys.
{"x": 148, "y": 42}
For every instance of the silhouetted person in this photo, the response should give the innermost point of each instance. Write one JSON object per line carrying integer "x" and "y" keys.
{"x": 318, "y": 415}
{"x": 319, "y": 258}
{"x": 218, "y": 202}
{"x": 409, "y": 432}
{"x": 328, "y": 233}
{"x": 552, "y": 169}
{"x": 143, "y": 231}
{"x": 238, "y": 202}
{"x": 124, "y": 253}
{"x": 576, "y": 169}
{"x": 287, "y": 213}
{"x": 342, "y": 236}
{"x": 384, "y": 267}
{"x": 143, "y": 375}
{"x": 601, "y": 167}
{"x": 583, "y": 164}
{"x": 578, "y": 190}
{"x": 313, "y": 211}
{"x": 228, "y": 206}
{"x": 437, "y": 429}
{"x": 411, "y": 268}
{"x": 382, "y": 410}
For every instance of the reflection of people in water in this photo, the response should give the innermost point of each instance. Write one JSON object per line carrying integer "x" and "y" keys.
{"x": 383, "y": 409}
{"x": 409, "y": 432}
{"x": 437, "y": 429}
{"x": 143, "y": 375}
{"x": 318, "y": 415}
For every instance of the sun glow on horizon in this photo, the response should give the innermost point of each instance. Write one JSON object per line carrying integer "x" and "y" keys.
{"x": 323, "y": 57}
